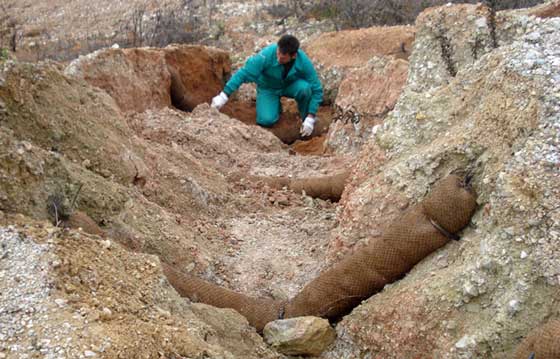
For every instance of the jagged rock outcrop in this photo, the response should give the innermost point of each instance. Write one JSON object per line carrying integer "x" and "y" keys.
{"x": 497, "y": 117}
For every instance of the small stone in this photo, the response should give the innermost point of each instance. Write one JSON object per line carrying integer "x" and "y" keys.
{"x": 470, "y": 290}
{"x": 465, "y": 342}
{"x": 89, "y": 354}
{"x": 523, "y": 255}
{"x": 299, "y": 336}
{"x": 106, "y": 314}
{"x": 534, "y": 36}
{"x": 190, "y": 267}
{"x": 60, "y": 302}
{"x": 163, "y": 312}
{"x": 513, "y": 306}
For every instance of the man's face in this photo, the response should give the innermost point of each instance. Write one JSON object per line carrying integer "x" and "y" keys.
{"x": 284, "y": 58}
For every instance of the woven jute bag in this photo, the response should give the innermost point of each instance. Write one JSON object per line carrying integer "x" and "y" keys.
{"x": 417, "y": 233}
{"x": 541, "y": 343}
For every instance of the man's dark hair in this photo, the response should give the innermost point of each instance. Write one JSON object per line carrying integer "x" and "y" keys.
{"x": 288, "y": 44}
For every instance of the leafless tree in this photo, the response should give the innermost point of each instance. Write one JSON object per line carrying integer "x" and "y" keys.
{"x": 137, "y": 25}
{"x": 9, "y": 27}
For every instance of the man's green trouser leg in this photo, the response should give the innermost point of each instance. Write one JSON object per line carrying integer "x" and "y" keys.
{"x": 268, "y": 101}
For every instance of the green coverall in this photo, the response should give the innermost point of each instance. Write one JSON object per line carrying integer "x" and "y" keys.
{"x": 301, "y": 84}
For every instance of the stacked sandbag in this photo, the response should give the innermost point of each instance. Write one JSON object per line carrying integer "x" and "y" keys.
{"x": 420, "y": 231}
{"x": 542, "y": 343}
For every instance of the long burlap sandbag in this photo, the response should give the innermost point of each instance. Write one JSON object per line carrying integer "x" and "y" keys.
{"x": 257, "y": 311}
{"x": 325, "y": 187}
{"x": 421, "y": 230}
{"x": 409, "y": 239}
{"x": 541, "y": 343}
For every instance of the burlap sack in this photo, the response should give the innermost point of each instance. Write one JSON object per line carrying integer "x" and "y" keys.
{"x": 404, "y": 243}
{"x": 542, "y": 343}
{"x": 257, "y": 311}
{"x": 324, "y": 187}
{"x": 420, "y": 231}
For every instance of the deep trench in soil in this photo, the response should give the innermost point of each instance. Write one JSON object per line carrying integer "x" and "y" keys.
{"x": 274, "y": 253}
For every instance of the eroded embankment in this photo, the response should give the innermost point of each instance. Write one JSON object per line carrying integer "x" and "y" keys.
{"x": 335, "y": 292}
{"x": 154, "y": 180}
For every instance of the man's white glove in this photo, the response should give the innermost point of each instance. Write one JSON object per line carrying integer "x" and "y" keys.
{"x": 220, "y": 100}
{"x": 307, "y": 127}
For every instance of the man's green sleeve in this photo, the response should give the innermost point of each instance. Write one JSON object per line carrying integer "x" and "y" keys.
{"x": 248, "y": 73}
{"x": 316, "y": 88}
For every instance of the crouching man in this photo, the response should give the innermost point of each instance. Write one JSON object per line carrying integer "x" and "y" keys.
{"x": 281, "y": 69}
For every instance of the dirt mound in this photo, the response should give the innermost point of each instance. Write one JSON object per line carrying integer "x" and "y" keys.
{"x": 365, "y": 97}
{"x": 551, "y": 9}
{"x": 104, "y": 301}
{"x": 363, "y": 72}
{"x": 137, "y": 79}
{"x": 354, "y": 48}
{"x": 495, "y": 119}
{"x": 140, "y": 79}
{"x": 85, "y": 126}
{"x": 337, "y": 53}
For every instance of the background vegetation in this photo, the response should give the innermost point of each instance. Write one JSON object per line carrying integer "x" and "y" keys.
{"x": 365, "y": 13}
{"x": 194, "y": 21}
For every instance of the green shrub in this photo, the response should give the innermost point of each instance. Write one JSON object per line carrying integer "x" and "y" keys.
{"x": 4, "y": 54}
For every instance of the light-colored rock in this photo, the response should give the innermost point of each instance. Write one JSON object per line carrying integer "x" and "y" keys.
{"x": 299, "y": 336}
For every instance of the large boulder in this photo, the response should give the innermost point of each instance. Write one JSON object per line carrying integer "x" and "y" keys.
{"x": 299, "y": 336}
{"x": 496, "y": 119}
